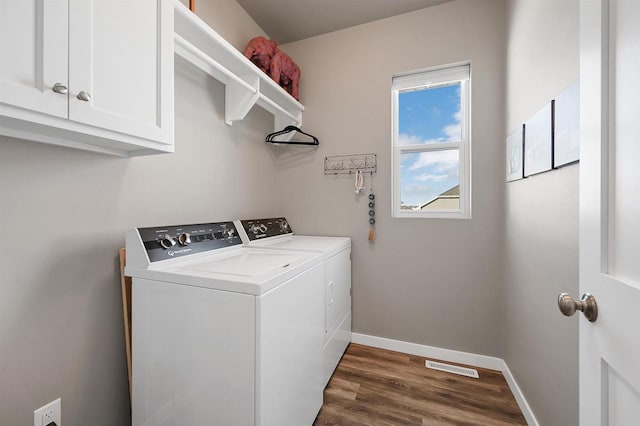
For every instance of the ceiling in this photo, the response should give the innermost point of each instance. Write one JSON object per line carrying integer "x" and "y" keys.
{"x": 291, "y": 20}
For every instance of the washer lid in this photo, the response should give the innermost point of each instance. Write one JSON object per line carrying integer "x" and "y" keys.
{"x": 242, "y": 270}
{"x": 247, "y": 263}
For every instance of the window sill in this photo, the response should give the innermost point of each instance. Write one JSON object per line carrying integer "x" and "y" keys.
{"x": 431, "y": 215}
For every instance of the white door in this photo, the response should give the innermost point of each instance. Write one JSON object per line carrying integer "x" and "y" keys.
{"x": 610, "y": 211}
{"x": 34, "y": 55}
{"x": 121, "y": 66}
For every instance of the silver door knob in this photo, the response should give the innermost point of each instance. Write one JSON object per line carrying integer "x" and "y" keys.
{"x": 587, "y": 304}
{"x": 60, "y": 88}
{"x": 84, "y": 96}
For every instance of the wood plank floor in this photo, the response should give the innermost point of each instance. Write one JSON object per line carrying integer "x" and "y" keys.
{"x": 376, "y": 387}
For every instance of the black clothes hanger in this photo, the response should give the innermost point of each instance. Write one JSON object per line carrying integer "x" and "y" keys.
{"x": 271, "y": 137}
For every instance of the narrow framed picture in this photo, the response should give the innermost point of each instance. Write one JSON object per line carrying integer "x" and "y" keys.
{"x": 538, "y": 142}
{"x": 566, "y": 137}
{"x": 515, "y": 155}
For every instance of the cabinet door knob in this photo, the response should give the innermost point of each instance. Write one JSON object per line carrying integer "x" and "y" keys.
{"x": 84, "y": 96}
{"x": 60, "y": 88}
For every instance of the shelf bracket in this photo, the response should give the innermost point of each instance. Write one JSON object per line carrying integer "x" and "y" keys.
{"x": 239, "y": 99}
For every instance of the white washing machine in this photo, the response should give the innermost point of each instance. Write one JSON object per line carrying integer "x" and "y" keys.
{"x": 223, "y": 334}
{"x": 276, "y": 233}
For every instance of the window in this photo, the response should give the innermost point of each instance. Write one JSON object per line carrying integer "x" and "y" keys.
{"x": 430, "y": 154}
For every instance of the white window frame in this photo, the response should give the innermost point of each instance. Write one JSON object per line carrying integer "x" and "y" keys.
{"x": 428, "y": 78}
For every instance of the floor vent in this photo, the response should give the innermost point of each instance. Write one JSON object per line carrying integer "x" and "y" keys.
{"x": 462, "y": 371}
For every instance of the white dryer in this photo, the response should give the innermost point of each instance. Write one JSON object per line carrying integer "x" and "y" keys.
{"x": 223, "y": 334}
{"x": 276, "y": 234}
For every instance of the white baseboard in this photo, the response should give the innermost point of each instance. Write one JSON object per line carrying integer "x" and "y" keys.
{"x": 519, "y": 396}
{"x": 482, "y": 361}
{"x": 458, "y": 357}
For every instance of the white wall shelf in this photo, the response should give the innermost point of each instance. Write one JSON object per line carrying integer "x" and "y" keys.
{"x": 245, "y": 84}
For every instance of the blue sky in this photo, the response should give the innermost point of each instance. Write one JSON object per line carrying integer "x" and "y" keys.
{"x": 429, "y": 116}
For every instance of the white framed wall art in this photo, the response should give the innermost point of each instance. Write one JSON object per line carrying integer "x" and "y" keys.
{"x": 538, "y": 142}
{"x": 515, "y": 155}
{"x": 566, "y": 141}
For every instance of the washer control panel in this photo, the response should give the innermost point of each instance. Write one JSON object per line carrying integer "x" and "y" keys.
{"x": 258, "y": 229}
{"x": 169, "y": 242}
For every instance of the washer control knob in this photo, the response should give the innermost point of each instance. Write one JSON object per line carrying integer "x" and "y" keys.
{"x": 284, "y": 226}
{"x": 228, "y": 233}
{"x": 255, "y": 228}
{"x": 167, "y": 241}
{"x": 184, "y": 239}
{"x": 263, "y": 228}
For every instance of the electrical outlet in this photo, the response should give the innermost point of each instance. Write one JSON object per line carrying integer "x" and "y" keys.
{"x": 47, "y": 414}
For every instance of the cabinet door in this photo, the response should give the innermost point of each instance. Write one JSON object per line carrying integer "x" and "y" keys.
{"x": 121, "y": 65}
{"x": 34, "y": 55}
{"x": 338, "y": 289}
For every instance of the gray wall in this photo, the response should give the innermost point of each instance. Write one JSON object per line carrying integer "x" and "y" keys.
{"x": 435, "y": 282}
{"x": 459, "y": 284}
{"x": 63, "y": 216}
{"x": 541, "y": 346}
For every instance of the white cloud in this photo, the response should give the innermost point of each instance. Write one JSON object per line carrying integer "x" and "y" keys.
{"x": 454, "y": 131}
{"x": 433, "y": 178}
{"x": 405, "y": 139}
{"x": 417, "y": 189}
{"x": 441, "y": 161}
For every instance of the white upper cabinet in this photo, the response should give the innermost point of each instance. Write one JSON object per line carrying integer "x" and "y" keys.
{"x": 90, "y": 74}
{"x": 116, "y": 73}
{"x": 34, "y": 54}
